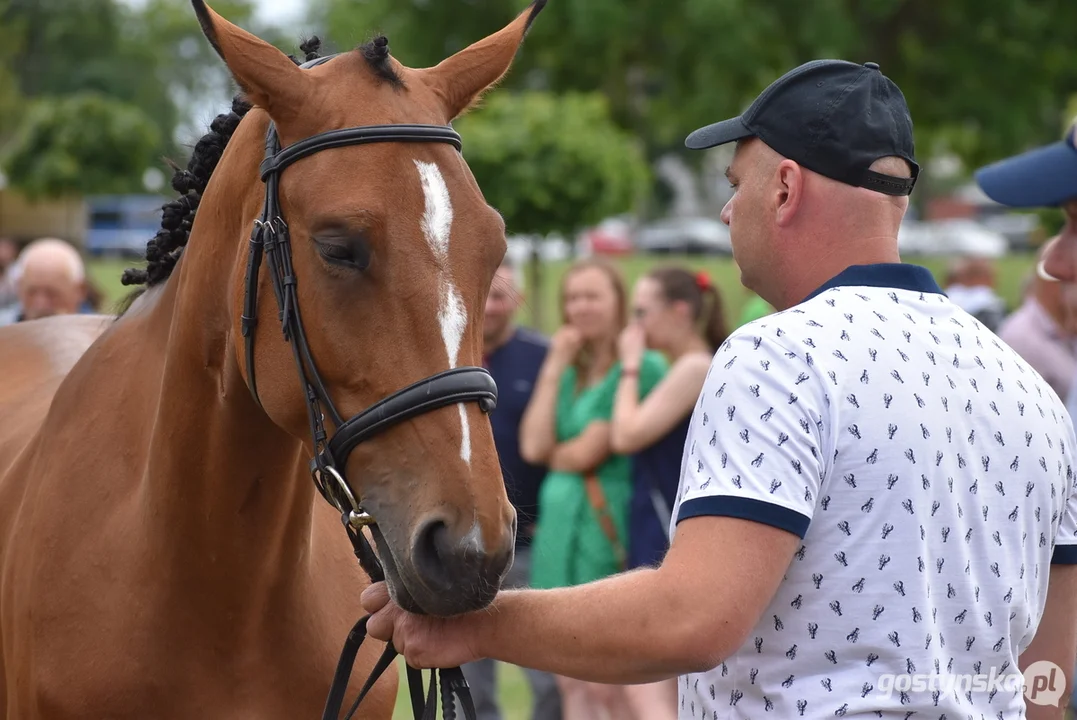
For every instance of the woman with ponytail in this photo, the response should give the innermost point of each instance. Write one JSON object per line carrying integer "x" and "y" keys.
{"x": 680, "y": 314}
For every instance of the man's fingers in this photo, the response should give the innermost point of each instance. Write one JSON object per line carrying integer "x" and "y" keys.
{"x": 375, "y": 597}
{"x": 381, "y": 624}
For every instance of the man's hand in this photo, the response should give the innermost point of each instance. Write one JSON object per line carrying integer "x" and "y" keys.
{"x": 425, "y": 642}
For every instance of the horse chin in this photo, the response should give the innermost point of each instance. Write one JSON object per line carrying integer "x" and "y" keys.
{"x": 409, "y": 592}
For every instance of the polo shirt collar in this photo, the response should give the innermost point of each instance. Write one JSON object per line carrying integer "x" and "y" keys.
{"x": 899, "y": 276}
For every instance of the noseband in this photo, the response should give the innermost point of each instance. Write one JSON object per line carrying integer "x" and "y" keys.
{"x": 270, "y": 238}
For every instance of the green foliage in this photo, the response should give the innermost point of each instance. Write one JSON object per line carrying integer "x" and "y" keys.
{"x": 88, "y": 46}
{"x": 983, "y": 78}
{"x": 10, "y": 97}
{"x": 552, "y": 163}
{"x": 81, "y": 144}
{"x": 152, "y": 55}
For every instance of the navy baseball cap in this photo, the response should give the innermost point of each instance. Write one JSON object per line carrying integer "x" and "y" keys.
{"x": 831, "y": 116}
{"x": 1043, "y": 177}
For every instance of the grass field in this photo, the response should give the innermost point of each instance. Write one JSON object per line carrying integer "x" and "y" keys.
{"x": 513, "y": 689}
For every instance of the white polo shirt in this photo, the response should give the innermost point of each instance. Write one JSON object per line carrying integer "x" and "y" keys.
{"x": 929, "y": 471}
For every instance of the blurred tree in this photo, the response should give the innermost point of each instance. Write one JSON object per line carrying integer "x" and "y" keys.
{"x": 983, "y": 79}
{"x": 87, "y": 46}
{"x": 81, "y": 144}
{"x": 11, "y": 105}
{"x": 152, "y": 56}
{"x": 551, "y": 164}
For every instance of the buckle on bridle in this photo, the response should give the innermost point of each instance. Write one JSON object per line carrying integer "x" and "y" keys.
{"x": 341, "y": 497}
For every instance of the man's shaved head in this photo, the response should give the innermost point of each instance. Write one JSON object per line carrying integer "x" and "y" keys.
{"x": 784, "y": 220}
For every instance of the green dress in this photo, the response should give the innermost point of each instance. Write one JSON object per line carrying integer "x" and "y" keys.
{"x": 569, "y": 546}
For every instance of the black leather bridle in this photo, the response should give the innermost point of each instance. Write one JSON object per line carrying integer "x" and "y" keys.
{"x": 465, "y": 384}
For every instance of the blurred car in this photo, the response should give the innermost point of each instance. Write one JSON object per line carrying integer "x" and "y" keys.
{"x": 612, "y": 236}
{"x": 690, "y": 235}
{"x": 121, "y": 225}
{"x": 950, "y": 237}
{"x": 551, "y": 248}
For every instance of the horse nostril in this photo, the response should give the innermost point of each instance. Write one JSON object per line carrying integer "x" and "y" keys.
{"x": 446, "y": 562}
{"x": 433, "y": 553}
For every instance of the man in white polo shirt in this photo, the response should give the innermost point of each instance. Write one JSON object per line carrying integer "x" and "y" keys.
{"x": 875, "y": 490}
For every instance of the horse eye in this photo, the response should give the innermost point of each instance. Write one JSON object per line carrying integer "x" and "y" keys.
{"x": 336, "y": 252}
{"x": 353, "y": 253}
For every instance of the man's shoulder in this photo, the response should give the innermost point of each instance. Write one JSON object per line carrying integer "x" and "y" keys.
{"x": 523, "y": 353}
{"x": 776, "y": 334}
{"x": 529, "y": 337}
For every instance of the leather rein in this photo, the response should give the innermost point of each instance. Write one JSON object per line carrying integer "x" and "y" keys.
{"x": 270, "y": 239}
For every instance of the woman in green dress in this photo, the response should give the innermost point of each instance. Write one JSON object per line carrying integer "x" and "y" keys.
{"x": 581, "y": 531}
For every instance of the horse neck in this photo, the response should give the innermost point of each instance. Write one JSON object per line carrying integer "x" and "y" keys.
{"x": 223, "y": 480}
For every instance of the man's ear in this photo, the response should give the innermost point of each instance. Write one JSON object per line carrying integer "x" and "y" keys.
{"x": 267, "y": 76}
{"x": 789, "y": 178}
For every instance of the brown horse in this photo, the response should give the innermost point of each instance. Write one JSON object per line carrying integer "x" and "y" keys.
{"x": 163, "y": 550}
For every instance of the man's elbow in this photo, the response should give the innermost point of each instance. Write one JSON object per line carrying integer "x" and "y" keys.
{"x": 702, "y": 646}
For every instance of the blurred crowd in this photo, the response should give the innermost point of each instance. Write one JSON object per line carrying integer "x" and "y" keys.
{"x": 591, "y": 422}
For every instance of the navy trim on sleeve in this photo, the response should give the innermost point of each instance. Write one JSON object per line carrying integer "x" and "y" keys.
{"x": 747, "y": 509}
{"x": 1064, "y": 555}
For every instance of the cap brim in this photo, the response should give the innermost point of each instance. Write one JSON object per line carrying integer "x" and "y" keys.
{"x": 719, "y": 133}
{"x": 1044, "y": 177}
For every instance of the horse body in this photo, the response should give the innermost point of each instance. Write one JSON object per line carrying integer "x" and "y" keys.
{"x": 136, "y": 580}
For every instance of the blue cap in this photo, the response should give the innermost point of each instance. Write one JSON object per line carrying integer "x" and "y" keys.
{"x": 833, "y": 117}
{"x": 1044, "y": 177}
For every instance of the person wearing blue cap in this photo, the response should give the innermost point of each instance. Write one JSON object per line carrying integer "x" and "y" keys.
{"x": 1045, "y": 177}
{"x": 874, "y": 491}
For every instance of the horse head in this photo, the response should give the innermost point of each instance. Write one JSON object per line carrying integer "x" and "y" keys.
{"x": 384, "y": 251}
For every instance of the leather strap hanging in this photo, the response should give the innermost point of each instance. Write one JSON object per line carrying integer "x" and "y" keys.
{"x": 598, "y": 502}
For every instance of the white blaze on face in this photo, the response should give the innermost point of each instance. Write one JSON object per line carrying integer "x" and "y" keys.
{"x": 452, "y": 316}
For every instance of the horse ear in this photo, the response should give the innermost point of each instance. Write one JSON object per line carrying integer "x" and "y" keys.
{"x": 462, "y": 78}
{"x": 267, "y": 76}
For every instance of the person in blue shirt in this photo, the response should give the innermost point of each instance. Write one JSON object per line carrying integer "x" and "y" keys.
{"x": 513, "y": 355}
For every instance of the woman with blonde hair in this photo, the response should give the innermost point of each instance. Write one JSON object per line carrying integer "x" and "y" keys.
{"x": 581, "y": 533}
{"x": 678, "y": 313}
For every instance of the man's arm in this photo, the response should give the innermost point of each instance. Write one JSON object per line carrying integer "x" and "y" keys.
{"x": 1056, "y": 638}
{"x": 639, "y": 627}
